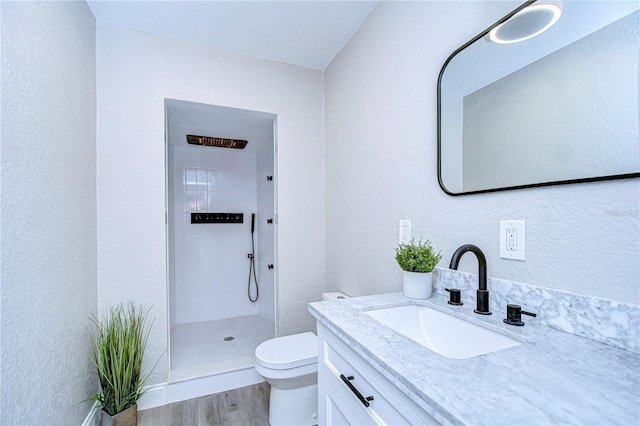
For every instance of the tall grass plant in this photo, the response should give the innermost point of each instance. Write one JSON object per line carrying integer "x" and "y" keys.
{"x": 118, "y": 348}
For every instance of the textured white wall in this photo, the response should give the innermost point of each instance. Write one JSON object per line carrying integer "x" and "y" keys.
{"x": 572, "y": 114}
{"x": 380, "y": 167}
{"x": 136, "y": 72}
{"x": 48, "y": 194}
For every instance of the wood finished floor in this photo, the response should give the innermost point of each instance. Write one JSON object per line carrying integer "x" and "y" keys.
{"x": 246, "y": 406}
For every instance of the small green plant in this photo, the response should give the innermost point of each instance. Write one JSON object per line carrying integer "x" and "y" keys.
{"x": 419, "y": 257}
{"x": 118, "y": 347}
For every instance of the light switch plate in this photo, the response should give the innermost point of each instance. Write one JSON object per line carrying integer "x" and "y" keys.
{"x": 405, "y": 232}
{"x": 512, "y": 239}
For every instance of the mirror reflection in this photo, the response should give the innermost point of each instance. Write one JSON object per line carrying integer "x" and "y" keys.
{"x": 559, "y": 106}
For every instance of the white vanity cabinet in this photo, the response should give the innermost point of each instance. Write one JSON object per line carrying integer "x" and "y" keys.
{"x": 379, "y": 401}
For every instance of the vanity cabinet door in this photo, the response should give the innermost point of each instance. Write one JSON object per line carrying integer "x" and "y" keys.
{"x": 350, "y": 390}
{"x": 333, "y": 408}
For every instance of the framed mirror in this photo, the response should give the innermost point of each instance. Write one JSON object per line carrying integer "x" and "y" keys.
{"x": 521, "y": 105}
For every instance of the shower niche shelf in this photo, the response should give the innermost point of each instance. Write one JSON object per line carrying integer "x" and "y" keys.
{"x": 217, "y": 218}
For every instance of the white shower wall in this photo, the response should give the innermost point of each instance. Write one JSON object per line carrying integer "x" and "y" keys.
{"x": 265, "y": 233}
{"x": 210, "y": 262}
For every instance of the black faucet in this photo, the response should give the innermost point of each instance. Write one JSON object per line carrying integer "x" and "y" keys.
{"x": 482, "y": 304}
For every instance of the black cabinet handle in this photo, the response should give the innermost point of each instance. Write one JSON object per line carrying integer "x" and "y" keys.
{"x": 365, "y": 401}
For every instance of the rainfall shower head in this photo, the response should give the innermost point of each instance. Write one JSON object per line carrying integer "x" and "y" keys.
{"x": 219, "y": 142}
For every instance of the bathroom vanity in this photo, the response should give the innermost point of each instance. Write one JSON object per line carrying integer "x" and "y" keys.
{"x": 551, "y": 377}
{"x": 369, "y": 399}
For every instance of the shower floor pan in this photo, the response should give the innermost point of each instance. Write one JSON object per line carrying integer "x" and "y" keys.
{"x": 212, "y": 347}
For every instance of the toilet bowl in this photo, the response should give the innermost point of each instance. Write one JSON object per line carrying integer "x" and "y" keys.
{"x": 290, "y": 365}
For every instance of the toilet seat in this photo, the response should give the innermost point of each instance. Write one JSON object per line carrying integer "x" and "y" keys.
{"x": 290, "y": 374}
{"x": 288, "y": 352}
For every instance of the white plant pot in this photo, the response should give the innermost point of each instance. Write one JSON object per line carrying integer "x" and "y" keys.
{"x": 417, "y": 285}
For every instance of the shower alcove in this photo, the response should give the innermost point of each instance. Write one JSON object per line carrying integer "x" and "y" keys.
{"x": 214, "y": 326}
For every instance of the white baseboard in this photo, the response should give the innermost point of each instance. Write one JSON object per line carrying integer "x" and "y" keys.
{"x": 155, "y": 396}
{"x": 166, "y": 393}
{"x": 93, "y": 417}
{"x": 208, "y": 385}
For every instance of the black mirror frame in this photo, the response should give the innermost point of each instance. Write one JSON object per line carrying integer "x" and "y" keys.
{"x": 506, "y": 188}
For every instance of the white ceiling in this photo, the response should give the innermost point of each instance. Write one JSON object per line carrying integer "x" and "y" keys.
{"x": 191, "y": 118}
{"x": 304, "y": 33}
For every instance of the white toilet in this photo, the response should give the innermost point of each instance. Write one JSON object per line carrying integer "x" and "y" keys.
{"x": 290, "y": 365}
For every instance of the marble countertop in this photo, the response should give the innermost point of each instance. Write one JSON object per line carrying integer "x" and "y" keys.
{"x": 552, "y": 378}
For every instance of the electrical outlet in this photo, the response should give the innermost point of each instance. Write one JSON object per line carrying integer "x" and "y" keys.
{"x": 512, "y": 239}
{"x": 405, "y": 231}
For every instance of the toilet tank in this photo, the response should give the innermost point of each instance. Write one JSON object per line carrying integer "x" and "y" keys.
{"x": 335, "y": 295}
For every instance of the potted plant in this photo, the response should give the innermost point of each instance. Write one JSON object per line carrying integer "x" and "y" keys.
{"x": 118, "y": 347}
{"x": 417, "y": 262}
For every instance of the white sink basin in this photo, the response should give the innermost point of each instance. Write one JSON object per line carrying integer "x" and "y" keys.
{"x": 444, "y": 334}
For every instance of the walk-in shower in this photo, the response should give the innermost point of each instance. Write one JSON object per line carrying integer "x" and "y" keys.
{"x": 221, "y": 229}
